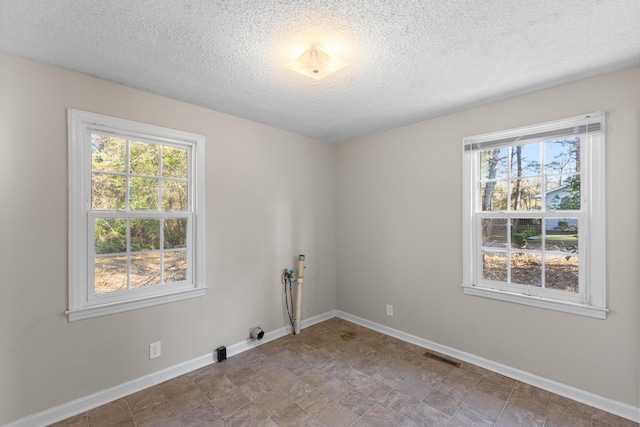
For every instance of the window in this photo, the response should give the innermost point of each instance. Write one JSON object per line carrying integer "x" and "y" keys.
{"x": 533, "y": 225}
{"x": 136, "y": 215}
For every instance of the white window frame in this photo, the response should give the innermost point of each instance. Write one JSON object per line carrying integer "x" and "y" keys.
{"x": 83, "y": 303}
{"x": 591, "y": 298}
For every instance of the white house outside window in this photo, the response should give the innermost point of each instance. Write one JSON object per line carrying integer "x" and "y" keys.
{"x": 534, "y": 215}
{"x": 136, "y": 215}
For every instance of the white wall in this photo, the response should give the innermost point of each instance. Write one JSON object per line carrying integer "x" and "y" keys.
{"x": 270, "y": 196}
{"x": 399, "y": 203}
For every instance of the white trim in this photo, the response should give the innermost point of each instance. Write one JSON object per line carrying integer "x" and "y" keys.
{"x": 69, "y": 409}
{"x": 84, "y": 305}
{"x": 83, "y": 404}
{"x": 624, "y": 410}
{"x": 591, "y": 299}
{"x": 272, "y": 335}
{"x": 530, "y": 133}
{"x": 86, "y": 403}
{"x": 120, "y": 306}
{"x": 533, "y": 301}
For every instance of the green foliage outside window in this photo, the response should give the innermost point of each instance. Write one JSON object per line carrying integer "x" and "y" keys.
{"x": 154, "y": 177}
{"x": 521, "y": 238}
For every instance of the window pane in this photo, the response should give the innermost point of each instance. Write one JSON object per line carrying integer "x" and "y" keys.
{"x": 562, "y": 156}
{"x": 143, "y": 194}
{"x": 566, "y": 195}
{"x": 144, "y": 158}
{"x": 525, "y": 194}
{"x": 175, "y": 266}
{"x": 525, "y": 160}
{"x": 174, "y": 162}
{"x": 145, "y": 234}
{"x": 552, "y": 182}
{"x": 561, "y": 272}
{"x": 107, "y": 192}
{"x": 494, "y": 232}
{"x": 561, "y": 234}
{"x": 110, "y": 236}
{"x": 494, "y": 164}
{"x": 175, "y": 233}
{"x": 174, "y": 195}
{"x": 108, "y": 154}
{"x": 526, "y": 269}
{"x": 526, "y": 233}
{"x": 494, "y": 196}
{"x": 494, "y": 266}
{"x": 145, "y": 270}
{"x": 110, "y": 274}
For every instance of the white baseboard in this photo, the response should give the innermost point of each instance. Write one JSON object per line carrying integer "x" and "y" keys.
{"x": 272, "y": 335}
{"x": 618, "y": 408}
{"x": 94, "y": 400}
{"x": 86, "y": 403}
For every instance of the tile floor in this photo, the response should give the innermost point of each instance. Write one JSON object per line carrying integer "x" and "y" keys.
{"x": 338, "y": 374}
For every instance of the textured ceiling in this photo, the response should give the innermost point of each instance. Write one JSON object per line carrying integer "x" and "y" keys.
{"x": 410, "y": 60}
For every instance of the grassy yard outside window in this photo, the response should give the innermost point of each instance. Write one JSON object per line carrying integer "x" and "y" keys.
{"x": 534, "y": 215}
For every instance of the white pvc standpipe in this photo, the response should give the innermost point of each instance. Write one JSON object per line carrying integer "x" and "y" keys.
{"x": 296, "y": 329}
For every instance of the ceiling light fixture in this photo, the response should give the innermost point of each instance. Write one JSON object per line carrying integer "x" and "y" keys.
{"x": 316, "y": 63}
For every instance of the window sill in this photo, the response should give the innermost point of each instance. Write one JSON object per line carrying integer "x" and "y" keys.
{"x": 549, "y": 304}
{"x": 118, "y": 307}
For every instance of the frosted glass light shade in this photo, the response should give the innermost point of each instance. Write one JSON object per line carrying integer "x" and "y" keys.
{"x": 315, "y": 63}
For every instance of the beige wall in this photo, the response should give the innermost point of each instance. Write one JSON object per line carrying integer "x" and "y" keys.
{"x": 399, "y": 241}
{"x": 270, "y": 196}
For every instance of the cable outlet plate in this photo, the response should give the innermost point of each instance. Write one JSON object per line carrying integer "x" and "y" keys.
{"x": 154, "y": 350}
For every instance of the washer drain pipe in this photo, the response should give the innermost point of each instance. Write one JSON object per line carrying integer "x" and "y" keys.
{"x": 299, "y": 281}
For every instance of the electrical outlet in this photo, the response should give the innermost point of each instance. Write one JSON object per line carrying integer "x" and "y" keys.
{"x": 389, "y": 310}
{"x": 154, "y": 350}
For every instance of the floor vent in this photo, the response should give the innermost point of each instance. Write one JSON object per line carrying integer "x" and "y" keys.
{"x": 442, "y": 359}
